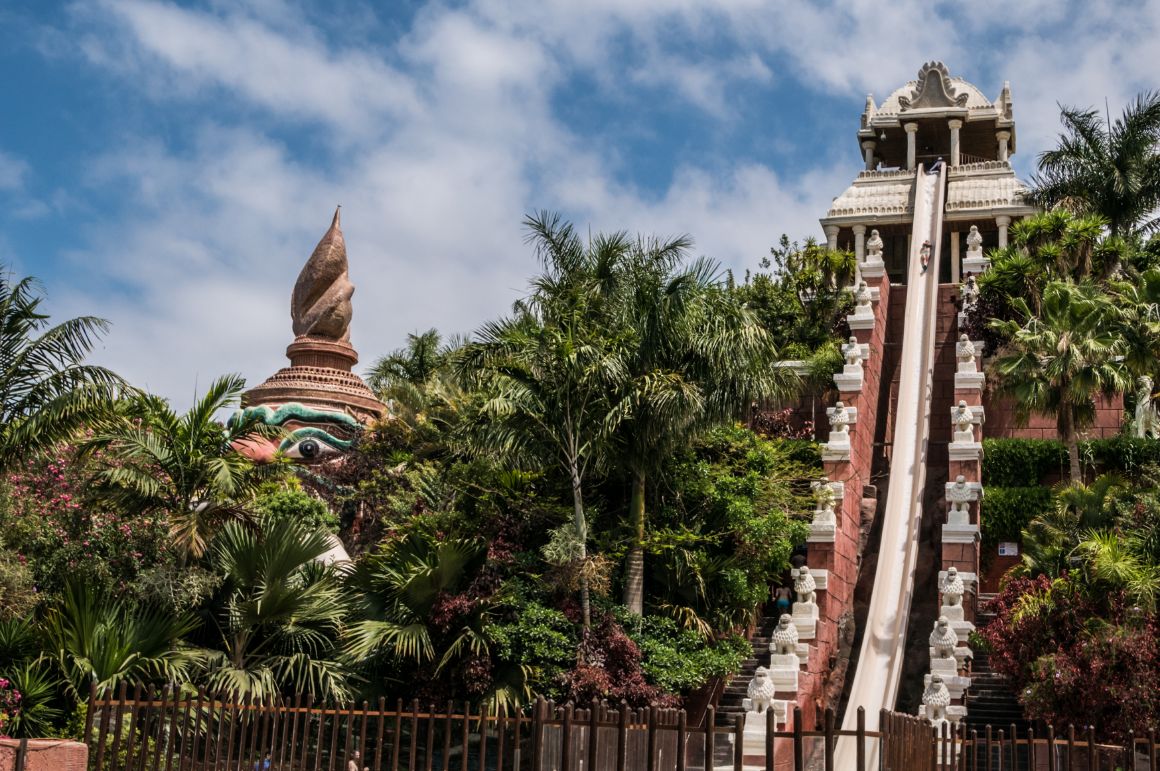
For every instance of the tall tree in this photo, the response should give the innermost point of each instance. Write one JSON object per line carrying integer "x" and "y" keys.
{"x": 1057, "y": 362}
{"x": 1107, "y": 168}
{"x": 185, "y": 466}
{"x": 555, "y": 370}
{"x": 695, "y": 356}
{"x": 47, "y": 392}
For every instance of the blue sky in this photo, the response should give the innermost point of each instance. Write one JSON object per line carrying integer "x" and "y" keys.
{"x": 170, "y": 166}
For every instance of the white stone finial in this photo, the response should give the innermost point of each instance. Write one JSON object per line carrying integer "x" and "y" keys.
{"x": 974, "y": 242}
{"x": 805, "y": 587}
{"x": 785, "y": 637}
{"x": 964, "y": 417}
{"x": 936, "y": 698}
{"x": 840, "y": 422}
{"x": 761, "y": 690}
{"x": 965, "y": 353}
{"x": 952, "y": 587}
{"x": 943, "y": 639}
{"x": 863, "y": 297}
{"x": 853, "y": 352}
{"x": 824, "y": 496}
{"x": 874, "y": 246}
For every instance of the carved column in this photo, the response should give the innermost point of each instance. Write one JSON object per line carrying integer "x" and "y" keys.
{"x": 911, "y": 142}
{"x": 832, "y": 236}
{"x": 859, "y": 242}
{"x": 868, "y": 153}
{"x": 1002, "y": 221}
{"x": 1003, "y": 137}
{"x": 955, "y": 126}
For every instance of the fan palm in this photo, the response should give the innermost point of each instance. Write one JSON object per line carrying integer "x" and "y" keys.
{"x": 184, "y": 466}
{"x": 1050, "y": 539}
{"x": 415, "y": 364}
{"x": 278, "y": 614}
{"x": 101, "y": 640}
{"x": 46, "y": 391}
{"x": 1105, "y": 168}
{"x": 1058, "y": 361}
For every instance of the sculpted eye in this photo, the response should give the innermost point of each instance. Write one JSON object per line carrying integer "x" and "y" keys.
{"x": 310, "y": 444}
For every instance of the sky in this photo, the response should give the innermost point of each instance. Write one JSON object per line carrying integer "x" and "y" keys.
{"x": 170, "y": 166}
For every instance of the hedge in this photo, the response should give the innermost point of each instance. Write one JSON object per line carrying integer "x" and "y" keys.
{"x": 1021, "y": 462}
{"x": 1006, "y": 511}
{"x": 1025, "y": 462}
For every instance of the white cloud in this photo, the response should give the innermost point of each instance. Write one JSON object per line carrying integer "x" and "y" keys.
{"x": 12, "y": 172}
{"x": 444, "y": 138}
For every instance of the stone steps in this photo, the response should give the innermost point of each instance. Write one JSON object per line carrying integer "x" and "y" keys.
{"x": 737, "y": 689}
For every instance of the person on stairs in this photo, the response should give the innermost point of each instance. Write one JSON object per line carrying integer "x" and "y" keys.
{"x": 935, "y": 167}
{"x": 924, "y": 255}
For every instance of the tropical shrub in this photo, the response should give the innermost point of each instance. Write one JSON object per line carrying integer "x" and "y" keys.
{"x": 1021, "y": 462}
{"x": 1006, "y": 512}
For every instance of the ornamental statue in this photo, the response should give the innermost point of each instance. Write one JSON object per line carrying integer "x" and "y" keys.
{"x": 322, "y": 405}
{"x": 969, "y": 292}
{"x": 964, "y": 417}
{"x": 960, "y": 494}
{"x": 761, "y": 690}
{"x": 863, "y": 298}
{"x": 840, "y": 423}
{"x": 952, "y": 587}
{"x": 785, "y": 637}
{"x": 974, "y": 242}
{"x": 965, "y": 352}
{"x": 853, "y": 352}
{"x": 874, "y": 247}
{"x": 805, "y": 586}
{"x": 943, "y": 639}
{"x": 1147, "y": 420}
{"x": 936, "y": 698}
{"x": 824, "y": 497}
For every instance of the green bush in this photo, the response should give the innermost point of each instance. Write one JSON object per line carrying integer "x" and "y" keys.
{"x": 1021, "y": 462}
{"x": 1126, "y": 455}
{"x": 680, "y": 660}
{"x": 1007, "y": 510}
{"x": 541, "y": 639}
{"x": 285, "y": 499}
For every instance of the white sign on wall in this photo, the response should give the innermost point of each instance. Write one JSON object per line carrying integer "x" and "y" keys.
{"x": 1008, "y": 549}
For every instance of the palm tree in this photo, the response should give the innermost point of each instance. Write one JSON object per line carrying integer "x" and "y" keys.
{"x": 555, "y": 372}
{"x": 1050, "y": 539}
{"x": 415, "y": 363}
{"x": 1105, "y": 168}
{"x": 101, "y": 640}
{"x": 1057, "y": 362}
{"x": 47, "y": 393}
{"x": 695, "y": 357}
{"x": 186, "y": 467}
{"x": 279, "y": 613}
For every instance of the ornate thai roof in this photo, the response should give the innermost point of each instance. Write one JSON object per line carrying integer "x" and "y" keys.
{"x": 876, "y": 192}
{"x": 990, "y": 185}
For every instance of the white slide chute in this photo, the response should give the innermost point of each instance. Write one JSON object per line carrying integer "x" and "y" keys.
{"x": 880, "y": 662}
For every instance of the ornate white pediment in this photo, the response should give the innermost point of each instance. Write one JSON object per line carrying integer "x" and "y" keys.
{"x": 934, "y": 89}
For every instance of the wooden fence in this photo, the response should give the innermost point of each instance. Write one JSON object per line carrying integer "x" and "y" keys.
{"x": 154, "y": 731}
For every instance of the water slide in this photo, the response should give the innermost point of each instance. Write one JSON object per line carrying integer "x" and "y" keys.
{"x": 879, "y": 666}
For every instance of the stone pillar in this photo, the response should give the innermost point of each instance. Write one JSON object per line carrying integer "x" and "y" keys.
{"x": 1002, "y": 221}
{"x": 955, "y": 126}
{"x": 911, "y": 143}
{"x": 1003, "y": 137}
{"x": 832, "y": 236}
{"x": 955, "y": 272}
{"x": 868, "y": 153}
{"x": 859, "y": 242}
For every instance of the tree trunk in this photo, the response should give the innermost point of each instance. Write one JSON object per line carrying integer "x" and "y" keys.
{"x": 1067, "y": 428}
{"x": 581, "y": 526}
{"x": 634, "y": 563}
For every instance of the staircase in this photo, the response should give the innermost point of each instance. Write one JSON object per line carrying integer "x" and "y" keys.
{"x": 730, "y": 706}
{"x": 990, "y": 700}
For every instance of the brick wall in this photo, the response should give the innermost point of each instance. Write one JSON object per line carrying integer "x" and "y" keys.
{"x": 45, "y": 755}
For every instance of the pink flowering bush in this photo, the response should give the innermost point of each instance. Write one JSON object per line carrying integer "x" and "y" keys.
{"x": 56, "y": 526}
{"x": 9, "y": 705}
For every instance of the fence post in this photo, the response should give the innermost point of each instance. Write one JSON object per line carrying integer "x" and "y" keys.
{"x": 1093, "y": 759}
{"x": 21, "y": 754}
{"x": 1130, "y": 751}
{"x": 537, "y": 733}
{"x": 799, "y": 752}
{"x": 103, "y": 729}
{"x": 710, "y": 723}
{"x": 682, "y": 727}
{"x": 651, "y": 718}
{"x": 860, "y": 750}
{"x": 770, "y": 743}
{"x": 738, "y": 741}
{"x": 622, "y": 737}
{"x": 829, "y": 733}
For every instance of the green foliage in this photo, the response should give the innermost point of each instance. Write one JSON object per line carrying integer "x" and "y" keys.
{"x": 18, "y": 596}
{"x": 542, "y": 640}
{"x": 680, "y": 660}
{"x": 1006, "y": 511}
{"x": 285, "y": 499}
{"x": 1128, "y": 455}
{"x": 47, "y": 392}
{"x": 1021, "y": 462}
{"x": 38, "y": 712}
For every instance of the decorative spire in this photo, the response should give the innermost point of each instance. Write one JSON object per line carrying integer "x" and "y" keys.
{"x": 320, "y": 305}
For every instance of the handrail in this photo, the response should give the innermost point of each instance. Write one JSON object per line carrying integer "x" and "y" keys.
{"x": 879, "y": 666}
